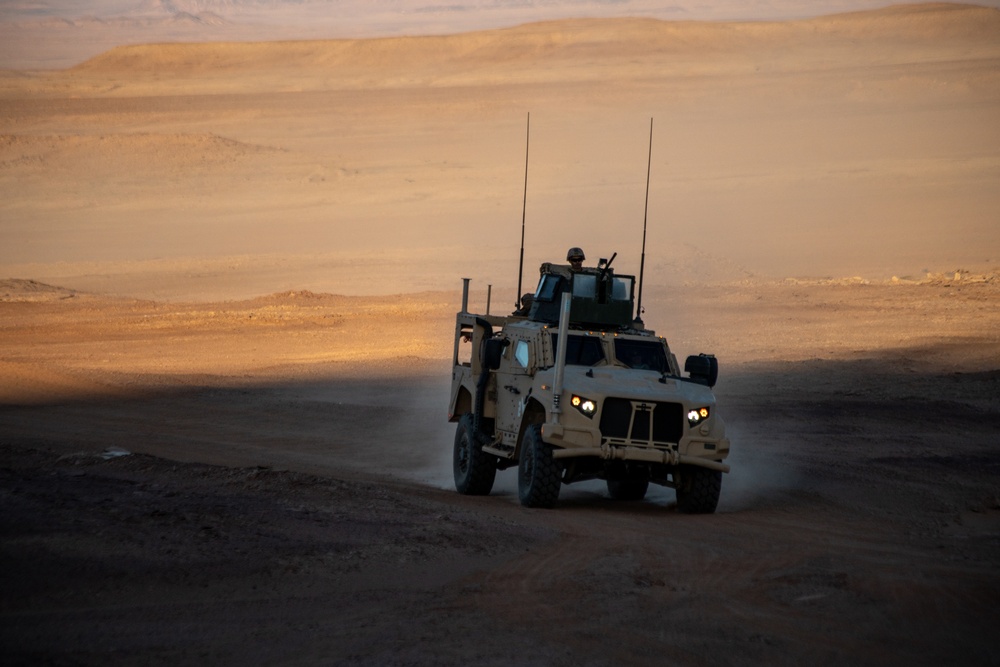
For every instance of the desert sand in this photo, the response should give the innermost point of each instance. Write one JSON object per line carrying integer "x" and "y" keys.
{"x": 228, "y": 277}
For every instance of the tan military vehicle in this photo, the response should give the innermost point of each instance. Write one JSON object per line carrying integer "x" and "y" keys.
{"x": 571, "y": 387}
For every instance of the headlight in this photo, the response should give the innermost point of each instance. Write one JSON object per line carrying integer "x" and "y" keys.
{"x": 584, "y": 405}
{"x": 697, "y": 416}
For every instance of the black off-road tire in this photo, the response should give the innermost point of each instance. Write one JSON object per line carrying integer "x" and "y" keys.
{"x": 539, "y": 475}
{"x": 698, "y": 490}
{"x": 628, "y": 489}
{"x": 475, "y": 470}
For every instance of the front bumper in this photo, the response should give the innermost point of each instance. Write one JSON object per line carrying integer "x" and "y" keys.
{"x": 572, "y": 443}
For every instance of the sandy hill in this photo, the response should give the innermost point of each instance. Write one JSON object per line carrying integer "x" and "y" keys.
{"x": 592, "y": 41}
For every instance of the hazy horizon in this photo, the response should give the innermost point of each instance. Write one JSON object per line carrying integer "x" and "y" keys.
{"x": 55, "y": 34}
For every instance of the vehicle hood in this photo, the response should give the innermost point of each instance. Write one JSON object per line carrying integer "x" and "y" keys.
{"x": 633, "y": 384}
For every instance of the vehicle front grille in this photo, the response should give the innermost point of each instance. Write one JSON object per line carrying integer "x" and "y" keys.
{"x": 631, "y": 421}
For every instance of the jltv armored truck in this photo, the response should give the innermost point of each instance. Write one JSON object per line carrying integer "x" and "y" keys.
{"x": 571, "y": 387}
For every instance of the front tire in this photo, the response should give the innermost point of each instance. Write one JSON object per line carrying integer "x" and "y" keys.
{"x": 475, "y": 470}
{"x": 698, "y": 489}
{"x": 539, "y": 476}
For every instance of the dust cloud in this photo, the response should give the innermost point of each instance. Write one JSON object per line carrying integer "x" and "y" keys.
{"x": 759, "y": 477}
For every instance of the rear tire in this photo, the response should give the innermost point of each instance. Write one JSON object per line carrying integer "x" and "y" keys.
{"x": 475, "y": 470}
{"x": 539, "y": 475}
{"x": 698, "y": 489}
{"x": 628, "y": 489}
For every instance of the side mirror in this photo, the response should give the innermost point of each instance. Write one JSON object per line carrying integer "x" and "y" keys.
{"x": 703, "y": 369}
{"x": 493, "y": 351}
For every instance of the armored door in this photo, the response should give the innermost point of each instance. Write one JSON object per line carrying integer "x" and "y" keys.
{"x": 514, "y": 381}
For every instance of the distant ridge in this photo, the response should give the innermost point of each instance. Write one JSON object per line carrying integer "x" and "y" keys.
{"x": 19, "y": 289}
{"x": 577, "y": 39}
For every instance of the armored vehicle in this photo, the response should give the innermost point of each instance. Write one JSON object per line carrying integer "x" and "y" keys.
{"x": 570, "y": 387}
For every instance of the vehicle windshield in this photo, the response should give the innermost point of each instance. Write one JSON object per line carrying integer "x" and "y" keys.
{"x": 581, "y": 351}
{"x": 642, "y": 354}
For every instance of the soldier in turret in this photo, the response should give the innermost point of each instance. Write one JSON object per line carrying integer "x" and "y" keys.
{"x": 575, "y": 258}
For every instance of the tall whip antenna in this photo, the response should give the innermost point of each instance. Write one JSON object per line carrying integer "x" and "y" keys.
{"x": 524, "y": 208}
{"x": 645, "y": 217}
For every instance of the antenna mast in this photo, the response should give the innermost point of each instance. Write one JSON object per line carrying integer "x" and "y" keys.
{"x": 645, "y": 217}
{"x": 524, "y": 208}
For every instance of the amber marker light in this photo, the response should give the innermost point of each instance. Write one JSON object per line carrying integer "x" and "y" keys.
{"x": 697, "y": 415}
{"x": 586, "y": 406}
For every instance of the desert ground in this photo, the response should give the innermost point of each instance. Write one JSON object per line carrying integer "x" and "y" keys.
{"x": 228, "y": 280}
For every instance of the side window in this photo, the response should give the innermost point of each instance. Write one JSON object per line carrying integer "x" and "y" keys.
{"x": 547, "y": 288}
{"x": 521, "y": 353}
{"x": 465, "y": 347}
{"x": 621, "y": 289}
